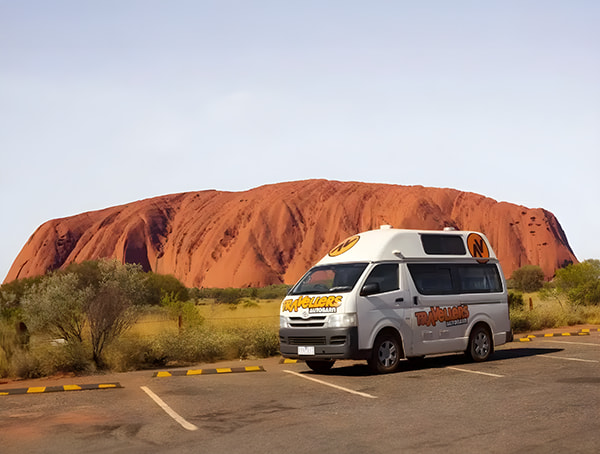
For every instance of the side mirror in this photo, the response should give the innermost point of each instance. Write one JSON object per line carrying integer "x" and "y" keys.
{"x": 369, "y": 289}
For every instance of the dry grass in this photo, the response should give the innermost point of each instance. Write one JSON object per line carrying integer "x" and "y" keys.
{"x": 264, "y": 313}
{"x": 538, "y": 314}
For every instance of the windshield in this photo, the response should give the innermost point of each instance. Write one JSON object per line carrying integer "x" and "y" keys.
{"x": 329, "y": 279}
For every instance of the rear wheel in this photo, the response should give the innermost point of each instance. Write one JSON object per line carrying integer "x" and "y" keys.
{"x": 386, "y": 354}
{"x": 320, "y": 366}
{"x": 480, "y": 344}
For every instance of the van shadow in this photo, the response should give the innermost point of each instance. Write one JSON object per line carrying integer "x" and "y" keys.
{"x": 439, "y": 362}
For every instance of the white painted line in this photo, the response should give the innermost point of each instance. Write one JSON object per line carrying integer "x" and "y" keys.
{"x": 570, "y": 359}
{"x": 475, "y": 372}
{"x": 574, "y": 343}
{"x": 351, "y": 391}
{"x": 168, "y": 410}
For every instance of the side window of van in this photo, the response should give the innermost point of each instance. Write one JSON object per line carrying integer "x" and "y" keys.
{"x": 432, "y": 279}
{"x": 386, "y": 276}
{"x": 479, "y": 279}
{"x": 452, "y": 279}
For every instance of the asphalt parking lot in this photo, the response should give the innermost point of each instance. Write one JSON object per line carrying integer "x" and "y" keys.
{"x": 540, "y": 395}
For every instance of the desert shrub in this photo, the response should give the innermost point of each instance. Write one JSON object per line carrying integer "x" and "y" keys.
{"x": 46, "y": 359}
{"x": 515, "y": 300}
{"x": 12, "y": 293}
{"x": 580, "y": 283}
{"x": 56, "y": 307}
{"x": 272, "y": 292}
{"x": 255, "y": 341}
{"x": 9, "y": 346}
{"x": 130, "y": 353}
{"x": 190, "y": 346}
{"x": 265, "y": 342}
{"x": 528, "y": 278}
{"x": 103, "y": 296}
{"x": 161, "y": 284}
{"x": 185, "y": 312}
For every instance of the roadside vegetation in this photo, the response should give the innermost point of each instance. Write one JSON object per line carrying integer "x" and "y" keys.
{"x": 571, "y": 298}
{"x": 106, "y": 316}
{"x": 103, "y": 315}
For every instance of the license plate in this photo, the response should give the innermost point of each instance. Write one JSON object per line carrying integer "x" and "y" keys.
{"x": 306, "y": 350}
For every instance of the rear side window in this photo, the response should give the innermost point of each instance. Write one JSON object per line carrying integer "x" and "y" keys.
{"x": 451, "y": 279}
{"x": 435, "y": 244}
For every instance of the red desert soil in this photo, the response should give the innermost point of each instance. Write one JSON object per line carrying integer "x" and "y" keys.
{"x": 272, "y": 234}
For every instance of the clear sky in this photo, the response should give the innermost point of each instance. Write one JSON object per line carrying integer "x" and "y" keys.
{"x": 108, "y": 102}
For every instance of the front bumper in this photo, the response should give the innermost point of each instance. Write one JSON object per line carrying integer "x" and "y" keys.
{"x": 328, "y": 343}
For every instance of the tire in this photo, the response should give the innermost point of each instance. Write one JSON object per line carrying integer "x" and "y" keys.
{"x": 386, "y": 354}
{"x": 480, "y": 344}
{"x": 320, "y": 366}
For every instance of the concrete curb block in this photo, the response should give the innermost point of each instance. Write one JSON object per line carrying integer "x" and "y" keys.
{"x": 288, "y": 361}
{"x": 583, "y": 332}
{"x": 54, "y": 389}
{"x": 222, "y": 370}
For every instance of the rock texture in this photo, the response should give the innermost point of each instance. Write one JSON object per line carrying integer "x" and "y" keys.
{"x": 272, "y": 234}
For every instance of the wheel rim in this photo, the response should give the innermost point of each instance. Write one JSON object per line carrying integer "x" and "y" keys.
{"x": 481, "y": 344}
{"x": 388, "y": 353}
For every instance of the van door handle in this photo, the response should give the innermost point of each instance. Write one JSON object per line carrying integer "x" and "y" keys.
{"x": 399, "y": 300}
{"x": 415, "y": 300}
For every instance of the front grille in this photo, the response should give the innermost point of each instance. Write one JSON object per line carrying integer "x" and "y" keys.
{"x": 316, "y": 340}
{"x": 311, "y": 322}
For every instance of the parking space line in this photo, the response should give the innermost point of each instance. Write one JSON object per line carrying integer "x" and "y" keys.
{"x": 341, "y": 388}
{"x": 573, "y": 343}
{"x": 169, "y": 410}
{"x": 570, "y": 359}
{"x": 475, "y": 372}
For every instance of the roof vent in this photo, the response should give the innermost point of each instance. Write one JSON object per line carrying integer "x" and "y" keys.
{"x": 385, "y": 227}
{"x": 449, "y": 229}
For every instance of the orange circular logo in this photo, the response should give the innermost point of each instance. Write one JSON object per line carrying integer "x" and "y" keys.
{"x": 478, "y": 247}
{"x": 344, "y": 246}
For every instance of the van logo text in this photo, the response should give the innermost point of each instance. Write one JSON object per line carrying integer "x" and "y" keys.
{"x": 314, "y": 304}
{"x": 455, "y": 315}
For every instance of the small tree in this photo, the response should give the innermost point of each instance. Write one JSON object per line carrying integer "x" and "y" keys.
{"x": 111, "y": 307}
{"x": 57, "y": 306}
{"x": 580, "y": 282}
{"x": 528, "y": 278}
{"x": 161, "y": 284}
{"x": 103, "y": 297}
{"x": 185, "y": 312}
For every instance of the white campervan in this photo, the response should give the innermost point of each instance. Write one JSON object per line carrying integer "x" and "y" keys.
{"x": 389, "y": 294}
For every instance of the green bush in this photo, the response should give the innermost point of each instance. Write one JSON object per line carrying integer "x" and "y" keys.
{"x": 528, "y": 278}
{"x": 190, "y": 346}
{"x": 130, "y": 353}
{"x": 161, "y": 284}
{"x": 515, "y": 300}
{"x": 46, "y": 359}
{"x": 580, "y": 283}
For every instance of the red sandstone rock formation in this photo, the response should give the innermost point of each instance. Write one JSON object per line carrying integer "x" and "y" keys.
{"x": 273, "y": 233}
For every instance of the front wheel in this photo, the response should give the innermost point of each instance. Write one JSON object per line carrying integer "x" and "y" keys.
{"x": 320, "y": 366}
{"x": 386, "y": 354}
{"x": 480, "y": 344}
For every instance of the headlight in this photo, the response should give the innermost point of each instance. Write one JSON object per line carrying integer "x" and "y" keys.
{"x": 341, "y": 320}
{"x": 283, "y": 322}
